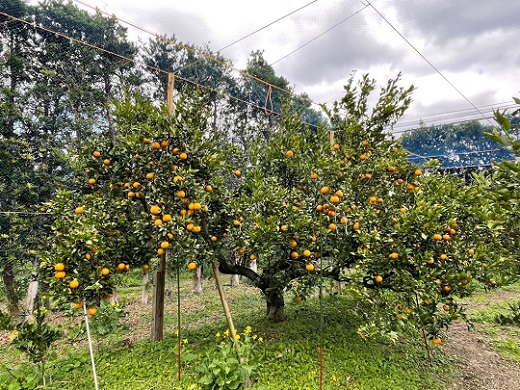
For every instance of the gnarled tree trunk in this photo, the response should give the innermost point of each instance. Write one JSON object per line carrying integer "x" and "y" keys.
{"x": 275, "y": 306}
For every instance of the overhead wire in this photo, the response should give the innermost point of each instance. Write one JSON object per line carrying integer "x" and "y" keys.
{"x": 424, "y": 58}
{"x": 453, "y": 114}
{"x": 319, "y": 36}
{"x": 251, "y": 34}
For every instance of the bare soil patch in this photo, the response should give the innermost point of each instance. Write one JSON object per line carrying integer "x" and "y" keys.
{"x": 481, "y": 367}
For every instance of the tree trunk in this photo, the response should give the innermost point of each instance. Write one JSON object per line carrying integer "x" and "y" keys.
{"x": 10, "y": 289}
{"x": 235, "y": 280}
{"x": 144, "y": 294}
{"x": 32, "y": 291}
{"x": 197, "y": 280}
{"x": 275, "y": 306}
{"x": 169, "y": 284}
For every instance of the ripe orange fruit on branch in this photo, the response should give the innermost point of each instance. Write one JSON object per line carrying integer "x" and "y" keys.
{"x": 92, "y": 311}
{"x": 378, "y": 279}
{"x": 335, "y": 147}
{"x": 393, "y": 255}
{"x": 59, "y": 267}
{"x": 325, "y": 190}
{"x": 334, "y": 199}
{"x": 294, "y": 254}
{"x": 96, "y": 153}
{"x": 332, "y": 226}
{"x": 437, "y": 237}
{"x": 252, "y": 257}
{"x": 418, "y": 172}
{"x": 290, "y": 153}
{"x": 74, "y": 283}
{"x": 192, "y": 266}
{"x": 60, "y": 274}
{"x": 307, "y": 253}
{"x": 106, "y": 162}
{"x": 79, "y": 210}
{"x": 92, "y": 181}
{"x": 160, "y": 251}
{"x": 208, "y": 188}
{"x": 183, "y": 156}
{"x": 155, "y": 210}
{"x": 105, "y": 271}
{"x": 181, "y": 194}
{"x": 121, "y": 267}
{"x": 237, "y": 173}
{"x": 314, "y": 176}
{"x": 436, "y": 341}
{"x": 156, "y": 145}
{"x": 213, "y": 239}
{"x": 309, "y": 267}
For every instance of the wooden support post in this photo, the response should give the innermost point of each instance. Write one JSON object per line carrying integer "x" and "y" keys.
{"x": 157, "y": 333}
{"x": 171, "y": 84}
{"x": 227, "y": 313}
{"x": 331, "y": 141}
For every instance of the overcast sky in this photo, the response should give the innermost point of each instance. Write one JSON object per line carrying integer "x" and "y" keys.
{"x": 473, "y": 43}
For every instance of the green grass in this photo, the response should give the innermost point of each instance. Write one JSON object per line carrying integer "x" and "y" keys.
{"x": 289, "y": 353}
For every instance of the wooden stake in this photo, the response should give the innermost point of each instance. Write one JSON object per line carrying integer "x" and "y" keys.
{"x": 171, "y": 103}
{"x": 157, "y": 333}
{"x": 331, "y": 138}
{"x": 227, "y": 313}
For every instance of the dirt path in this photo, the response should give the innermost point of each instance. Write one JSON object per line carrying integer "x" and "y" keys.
{"x": 481, "y": 367}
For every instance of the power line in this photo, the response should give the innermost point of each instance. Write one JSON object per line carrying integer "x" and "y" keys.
{"x": 425, "y": 59}
{"x": 432, "y": 117}
{"x": 320, "y": 35}
{"x": 268, "y": 25}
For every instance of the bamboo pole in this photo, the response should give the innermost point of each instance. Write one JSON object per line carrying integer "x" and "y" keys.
{"x": 331, "y": 141}
{"x": 227, "y": 313}
{"x": 171, "y": 84}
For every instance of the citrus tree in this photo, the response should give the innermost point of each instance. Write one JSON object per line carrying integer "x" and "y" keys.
{"x": 355, "y": 210}
{"x": 502, "y": 189}
{"x": 158, "y": 187}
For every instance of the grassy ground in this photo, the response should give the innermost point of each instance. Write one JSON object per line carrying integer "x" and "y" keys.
{"x": 288, "y": 355}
